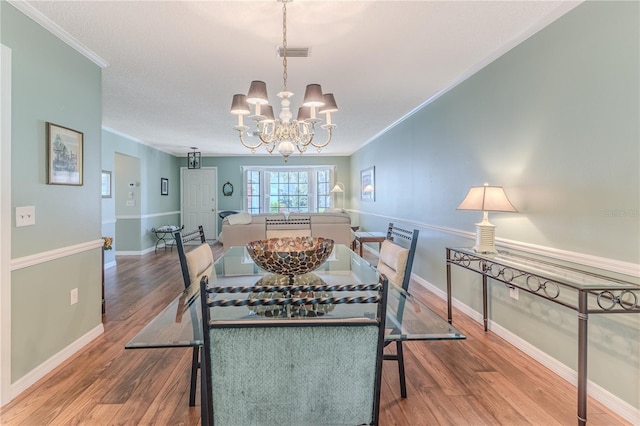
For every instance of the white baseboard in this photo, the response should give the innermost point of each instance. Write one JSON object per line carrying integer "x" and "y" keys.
{"x": 615, "y": 404}
{"x": 46, "y": 367}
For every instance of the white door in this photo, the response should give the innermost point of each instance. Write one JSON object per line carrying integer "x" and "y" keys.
{"x": 199, "y": 203}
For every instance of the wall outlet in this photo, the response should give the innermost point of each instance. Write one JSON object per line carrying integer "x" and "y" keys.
{"x": 25, "y": 216}
{"x": 513, "y": 292}
{"x": 74, "y": 296}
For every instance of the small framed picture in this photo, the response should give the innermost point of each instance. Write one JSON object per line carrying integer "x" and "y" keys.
{"x": 64, "y": 155}
{"x": 164, "y": 186}
{"x": 368, "y": 184}
{"x": 106, "y": 184}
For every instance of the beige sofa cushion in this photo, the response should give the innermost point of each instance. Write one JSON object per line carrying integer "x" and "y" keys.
{"x": 241, "y": 218}
{"x": 393, "y": 261}
{"x": 335, "y": 226}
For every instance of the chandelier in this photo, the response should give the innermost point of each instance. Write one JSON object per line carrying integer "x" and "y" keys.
{"x": 283, "y": 133}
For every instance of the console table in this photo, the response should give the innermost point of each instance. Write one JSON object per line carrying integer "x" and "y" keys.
{"x": 558, "y": 282}
{"x": 368, "y": 237}
{"x": 164, "y": 232}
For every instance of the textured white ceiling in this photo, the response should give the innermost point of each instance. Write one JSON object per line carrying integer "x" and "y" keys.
{"x": 175, "y": 65}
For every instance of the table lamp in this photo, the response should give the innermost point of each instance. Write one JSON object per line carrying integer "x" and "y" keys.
{"x": 339, "y": 188}
{"x": 486, "y": 199}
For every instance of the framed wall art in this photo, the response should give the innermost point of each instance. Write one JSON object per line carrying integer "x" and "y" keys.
{"x": 64, "y": 155}
{"x": 368, "y": 184}
{"x": 106, "y": 184}
{"x": 164, "y": 186}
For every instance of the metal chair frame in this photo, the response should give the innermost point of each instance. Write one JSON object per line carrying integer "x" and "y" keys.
{"x": 403, "y": 238}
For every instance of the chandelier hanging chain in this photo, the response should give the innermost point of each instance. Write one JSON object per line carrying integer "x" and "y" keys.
{"x": 284, "y": 133}
{"x": 284, "y": 43}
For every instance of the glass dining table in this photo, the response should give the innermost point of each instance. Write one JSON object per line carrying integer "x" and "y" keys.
{"x": 179, "y": 324}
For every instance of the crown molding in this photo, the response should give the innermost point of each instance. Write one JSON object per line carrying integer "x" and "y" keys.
{"x": 57, "y": 31}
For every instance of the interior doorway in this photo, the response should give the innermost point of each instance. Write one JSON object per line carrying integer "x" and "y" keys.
{"x": 199, "y": 203}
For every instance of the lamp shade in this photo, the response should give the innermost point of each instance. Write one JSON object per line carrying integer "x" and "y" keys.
{"x": 239, "y": 105}
{"x": 303, "y": 113}
{"x": 487, "y": 198}
{"x": 329, "y": 103}
{"x": 338, "y": 187}
{"x": 258, "y": 93}
{"x": 313, "y": 96}
{"x": 267, "y": 112}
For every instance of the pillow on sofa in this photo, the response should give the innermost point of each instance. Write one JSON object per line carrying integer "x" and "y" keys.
{"x": 242, "y": 218}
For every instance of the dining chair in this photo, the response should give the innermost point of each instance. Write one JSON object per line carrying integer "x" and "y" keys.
{"x": 292, "y": 371}
{"x": 279, "y": 228}
{"x": 396, "y": 261}
{"x": 195, "y": 264}
{"x": 190, "y": 236}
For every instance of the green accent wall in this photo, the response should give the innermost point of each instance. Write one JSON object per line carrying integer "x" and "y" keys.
{"x": 51, "y": 82}
{"x": 144, "y": 166}
{"x": 556, "y": 122}
{"x": 230, "y": 170}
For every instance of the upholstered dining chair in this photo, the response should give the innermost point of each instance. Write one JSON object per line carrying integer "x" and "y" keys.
{"x": 195, "y": 264}
{"x": 292, "y": 371}
{"x": 396, "y": 261}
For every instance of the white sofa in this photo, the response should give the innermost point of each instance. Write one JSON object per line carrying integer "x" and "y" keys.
{"x": 242, "y": 228}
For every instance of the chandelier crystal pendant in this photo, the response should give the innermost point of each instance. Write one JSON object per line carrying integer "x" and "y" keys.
{"x": 284, "y": 134}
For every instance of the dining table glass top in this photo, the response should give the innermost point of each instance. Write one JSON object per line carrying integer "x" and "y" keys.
{"x": 178, "y": 325}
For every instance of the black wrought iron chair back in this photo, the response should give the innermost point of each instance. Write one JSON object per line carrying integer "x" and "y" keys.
{"x": 195, "y": 263}
{"x": 409, "y": 240}
{"x": 293, "y": 371}
{"x": 295, "y": 227}
{"x": 396, "y": 260}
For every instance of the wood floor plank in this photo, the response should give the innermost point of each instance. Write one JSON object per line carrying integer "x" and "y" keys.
{"x": 482, "y": 380}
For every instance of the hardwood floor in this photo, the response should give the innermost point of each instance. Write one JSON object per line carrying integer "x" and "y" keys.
{"x": 479, "y": 381}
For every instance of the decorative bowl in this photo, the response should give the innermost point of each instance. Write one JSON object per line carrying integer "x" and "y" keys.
{"x": 290, "y": 256}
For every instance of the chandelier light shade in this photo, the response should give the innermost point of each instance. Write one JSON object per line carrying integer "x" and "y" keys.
{"x": 486, "y": 199}
{"x": 283, "y": 133}
{"x": 338, "y": 188}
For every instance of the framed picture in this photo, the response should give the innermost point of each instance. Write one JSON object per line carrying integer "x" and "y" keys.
{"x": 164, "y": 186}
{"x": 106, "y": 184}
{"x": 64, "y": 155}
{"x": 368, "y": 184}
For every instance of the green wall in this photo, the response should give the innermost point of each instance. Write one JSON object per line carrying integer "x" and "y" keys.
{"x": 229, "y": 170}
{"x": 51, "y": 82}
{"x": 556, "y": 122}
{"x": 134, "y": 162}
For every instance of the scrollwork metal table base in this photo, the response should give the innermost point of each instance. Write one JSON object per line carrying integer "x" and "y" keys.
{"x": 584, "y": 292}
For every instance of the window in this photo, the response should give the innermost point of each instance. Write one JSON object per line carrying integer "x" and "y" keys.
{"x": 253, "y": 192}
{"x": 287, "y": 189}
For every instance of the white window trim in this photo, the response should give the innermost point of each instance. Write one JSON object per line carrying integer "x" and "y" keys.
{"x": 264, "y": 183}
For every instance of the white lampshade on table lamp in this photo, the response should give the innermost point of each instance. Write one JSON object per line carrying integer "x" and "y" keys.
{"x": 339, "y": 188}
{"x": 486, "y": 199}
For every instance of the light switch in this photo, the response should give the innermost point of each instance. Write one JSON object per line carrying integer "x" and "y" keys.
{"x": 25, "y": 216}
